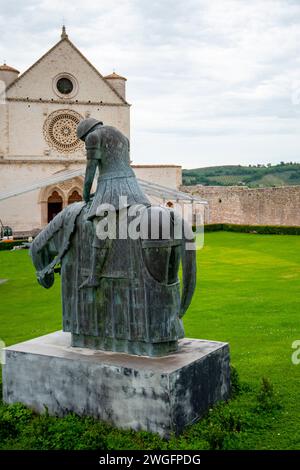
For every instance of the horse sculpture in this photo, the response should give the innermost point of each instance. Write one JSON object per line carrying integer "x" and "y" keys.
{"x": 122, "y": 292}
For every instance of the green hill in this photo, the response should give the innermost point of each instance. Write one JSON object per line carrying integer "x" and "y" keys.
{"x": 254, "y": 176}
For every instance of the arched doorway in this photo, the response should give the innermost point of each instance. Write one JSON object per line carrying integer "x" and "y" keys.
{"x": 61, "y": 194}
{"x": 74, "y": 197}
{"x": 55, "y": 205}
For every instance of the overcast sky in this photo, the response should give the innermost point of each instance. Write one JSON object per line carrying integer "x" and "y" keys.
{"x": 210, "y": 81}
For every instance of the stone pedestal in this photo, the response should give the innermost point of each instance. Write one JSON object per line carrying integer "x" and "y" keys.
{"x": 154, "y": 394}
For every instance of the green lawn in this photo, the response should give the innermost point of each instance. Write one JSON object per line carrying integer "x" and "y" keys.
{"x": 248, "y": 294}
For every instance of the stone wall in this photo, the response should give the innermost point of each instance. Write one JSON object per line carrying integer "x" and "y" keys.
{"x": 259, "y": 206}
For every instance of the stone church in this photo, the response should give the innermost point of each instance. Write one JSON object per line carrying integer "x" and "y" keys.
{"x": 39, "y": 113}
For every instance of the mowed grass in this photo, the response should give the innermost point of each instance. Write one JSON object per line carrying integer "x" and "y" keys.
{"x": 248, "y": 294}
{"x": 27, "y": 310}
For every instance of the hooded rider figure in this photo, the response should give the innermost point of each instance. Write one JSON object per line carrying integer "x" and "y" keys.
{"x": 118, "y": 293}
{"x": 108, "y": 151}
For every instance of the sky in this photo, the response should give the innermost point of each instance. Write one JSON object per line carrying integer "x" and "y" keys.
{"x": 211, "y": 82}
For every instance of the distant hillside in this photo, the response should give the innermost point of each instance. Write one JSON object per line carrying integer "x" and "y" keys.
{"x": 284, "y": 174}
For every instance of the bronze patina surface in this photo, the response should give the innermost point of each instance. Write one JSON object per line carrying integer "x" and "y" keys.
{"x": 120, "y": 294}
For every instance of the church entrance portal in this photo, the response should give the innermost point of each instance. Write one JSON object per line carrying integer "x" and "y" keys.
{"x": 55, "y": 205}
{"x": 54, "y": 199}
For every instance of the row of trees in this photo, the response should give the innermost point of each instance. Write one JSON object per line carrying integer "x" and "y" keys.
{"x": 228, "y": 175}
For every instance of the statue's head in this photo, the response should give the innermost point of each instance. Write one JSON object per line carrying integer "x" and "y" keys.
{"x": 86, "y": 126}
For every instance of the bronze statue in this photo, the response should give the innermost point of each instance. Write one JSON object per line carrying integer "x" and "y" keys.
{"x": 119, "y": 293}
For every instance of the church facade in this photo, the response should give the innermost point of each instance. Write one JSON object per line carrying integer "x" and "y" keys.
{"x": 39, "y": 112}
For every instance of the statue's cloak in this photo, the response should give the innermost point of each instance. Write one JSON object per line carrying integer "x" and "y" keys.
{"x": 129, "y": 309}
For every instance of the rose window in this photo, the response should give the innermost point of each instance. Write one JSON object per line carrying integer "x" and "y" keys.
{"x": 60, "y": 130}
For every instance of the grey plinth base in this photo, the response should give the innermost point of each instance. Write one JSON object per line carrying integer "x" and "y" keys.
{"x": 142, "y": 393}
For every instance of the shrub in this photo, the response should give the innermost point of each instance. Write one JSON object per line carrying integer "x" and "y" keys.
{"x": 235, "y": 383}
{"x": 69, "y": 433}
{"x": 260, "y": 229}
{"x": 213, "y": 227}
{"x": 10, "y": 244}
{"x": 267, "y": 399}
{"x": 13, "y": 418}
{"x": 263, "y": 229}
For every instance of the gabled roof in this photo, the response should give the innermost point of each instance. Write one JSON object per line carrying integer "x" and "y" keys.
{"x": 64, "y": 37}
